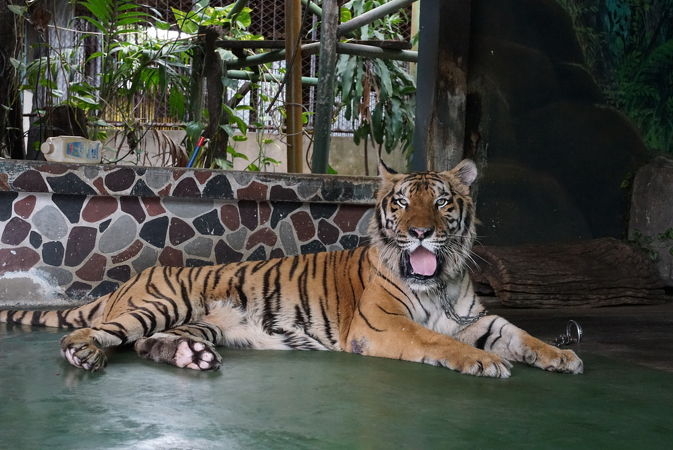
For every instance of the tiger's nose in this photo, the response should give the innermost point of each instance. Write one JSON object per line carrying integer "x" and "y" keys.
{"x": 421, "y": 232}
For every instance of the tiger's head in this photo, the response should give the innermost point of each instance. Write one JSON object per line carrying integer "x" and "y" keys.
{"x": 423, "y": 224}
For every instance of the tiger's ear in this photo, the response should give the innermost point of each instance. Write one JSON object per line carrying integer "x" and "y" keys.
{"x": 385, "y": 172}
{"x": 465, "y": 171}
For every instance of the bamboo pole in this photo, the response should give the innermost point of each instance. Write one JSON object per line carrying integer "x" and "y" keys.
{"x": 293, "y": 98}
{"x": 325, "y": 91}
{"x": 372, "y": 15}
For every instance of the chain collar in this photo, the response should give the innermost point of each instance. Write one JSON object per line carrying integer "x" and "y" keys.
{"x": 461, "y": 320}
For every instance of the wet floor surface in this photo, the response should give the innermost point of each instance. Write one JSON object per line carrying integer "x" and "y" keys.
{"x": 266, "y": 399}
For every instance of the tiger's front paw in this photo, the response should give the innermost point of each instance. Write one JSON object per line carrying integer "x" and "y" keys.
{"x": 565, "y": 361}
{"x": 84, "y": 356}
{"x": 554, "y": 359}
{"x": 483, "y": 364}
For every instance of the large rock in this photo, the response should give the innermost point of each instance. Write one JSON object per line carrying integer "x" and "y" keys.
{"x": 651, "y": 222}
{"x": 518, "y": 205}
{"x": 540, "y": 111}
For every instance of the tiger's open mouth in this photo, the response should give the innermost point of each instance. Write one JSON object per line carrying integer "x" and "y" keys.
{"x": 421, "y": 264}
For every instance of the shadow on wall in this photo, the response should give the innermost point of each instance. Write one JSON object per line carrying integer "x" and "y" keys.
{"x": 557, "y": 156}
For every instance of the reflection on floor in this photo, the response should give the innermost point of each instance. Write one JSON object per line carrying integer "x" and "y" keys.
{"x": 336, "y": 400}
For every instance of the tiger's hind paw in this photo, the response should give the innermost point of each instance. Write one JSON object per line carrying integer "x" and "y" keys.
{"x": 84, "y": 356}
{"x": 196, "y": 355}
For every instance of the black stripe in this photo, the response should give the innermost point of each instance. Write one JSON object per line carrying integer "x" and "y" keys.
{"x": 149, "y": 315}
{"x": 82, "y": 321}
{"x": 93, "y": 311}
{"x": 327, "y": 328}
{"x": 169, "y": 280}
{"x": 188, "y": 304}
{"x": 293, "y": 266}
{"x": 303, "y": 293}
{"x": 499, "y": 336}
{"x": 299, "y": 321}
{"x": 35, "y": 320}
{"x": 240, "y": 276}
{"x": 62, "y": 321}
{"x": 398, "y": 299}
{"x": 481, "y": 342}
{"x": 388, "y": 312}
{"x": 118, "y": 334}
{"x": 140, "y": 319}
{"x": 163, "y": 310}
{"x": 367, "y": 321}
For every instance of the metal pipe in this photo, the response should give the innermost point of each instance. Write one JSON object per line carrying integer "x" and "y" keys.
{"x": 372, "y": 15}
{"x": 369, "y": 51}
{"x": 263, "y": 58}
{"x": 266, "y": 77}
{"x": 324, "y": 108}
{"x": 313, "y": 7}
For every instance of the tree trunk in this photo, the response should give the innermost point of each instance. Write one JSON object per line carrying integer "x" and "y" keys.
{"x": 600, "y": 272}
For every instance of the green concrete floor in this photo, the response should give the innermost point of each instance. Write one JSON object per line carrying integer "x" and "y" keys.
{"x": 319, "y": 400}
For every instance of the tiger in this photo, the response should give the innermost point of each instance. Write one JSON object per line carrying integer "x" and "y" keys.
{"x": 406, "y": 295}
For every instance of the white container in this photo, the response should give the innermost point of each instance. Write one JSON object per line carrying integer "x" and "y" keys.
{"x": 72, "y": 149}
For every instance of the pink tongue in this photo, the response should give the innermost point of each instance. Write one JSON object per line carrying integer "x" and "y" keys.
{"x": 423, "y": 261}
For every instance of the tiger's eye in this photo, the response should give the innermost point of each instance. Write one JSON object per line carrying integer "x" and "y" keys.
{"x": 402, "y": 203}
{"x": 442, "y": 202}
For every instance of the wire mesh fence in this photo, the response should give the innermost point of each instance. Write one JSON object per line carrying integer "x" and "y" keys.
{"x": 261, "y": 107}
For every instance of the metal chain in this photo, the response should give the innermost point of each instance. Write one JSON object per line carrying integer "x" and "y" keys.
{"x": 572, "y": 335}
{"x": 461, "y": 320}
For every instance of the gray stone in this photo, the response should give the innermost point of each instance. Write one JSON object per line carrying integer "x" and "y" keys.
{"x": 237, "y": 239}
{"x": 652, "y": 214}
{"x": 242, "y": 178}
{"x": 157, "y": 179}
{"x": 147, "y": 258}
{"x": 187, "y": 208}
{"x": 58, "y": 275}
{"x": 288, "y": 239}
{"x": 363, "y": 225}
{"x": 50, "y": 223}
{"x": 306, "y": 190}
{"x": 199, "y": 246}
{"x": 91, "y": 172}
{"x": 119, "y": 235}
{"x": 334, "y": 248}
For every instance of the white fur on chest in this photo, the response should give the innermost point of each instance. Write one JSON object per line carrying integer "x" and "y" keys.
{"x": 448, "y": 311}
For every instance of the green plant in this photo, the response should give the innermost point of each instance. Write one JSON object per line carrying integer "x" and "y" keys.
{"x": 389, "y": 122}
{"x": 128, "y": 66}
{"x": 654, "y": 245}
{"x": 628, "y": 46}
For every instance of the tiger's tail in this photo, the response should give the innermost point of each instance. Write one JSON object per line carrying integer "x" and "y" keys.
{"x": 78, "y": 317}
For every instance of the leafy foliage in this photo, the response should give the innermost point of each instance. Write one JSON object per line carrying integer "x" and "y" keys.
{"x": 379, "y": 94}
{"x": 628, "y": 45}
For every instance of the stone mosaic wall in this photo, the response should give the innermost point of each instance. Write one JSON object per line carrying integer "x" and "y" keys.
{"x": 90, "y": 228}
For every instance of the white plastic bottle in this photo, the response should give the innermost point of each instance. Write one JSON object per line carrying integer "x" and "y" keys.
{"x": 72, "y": 149}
